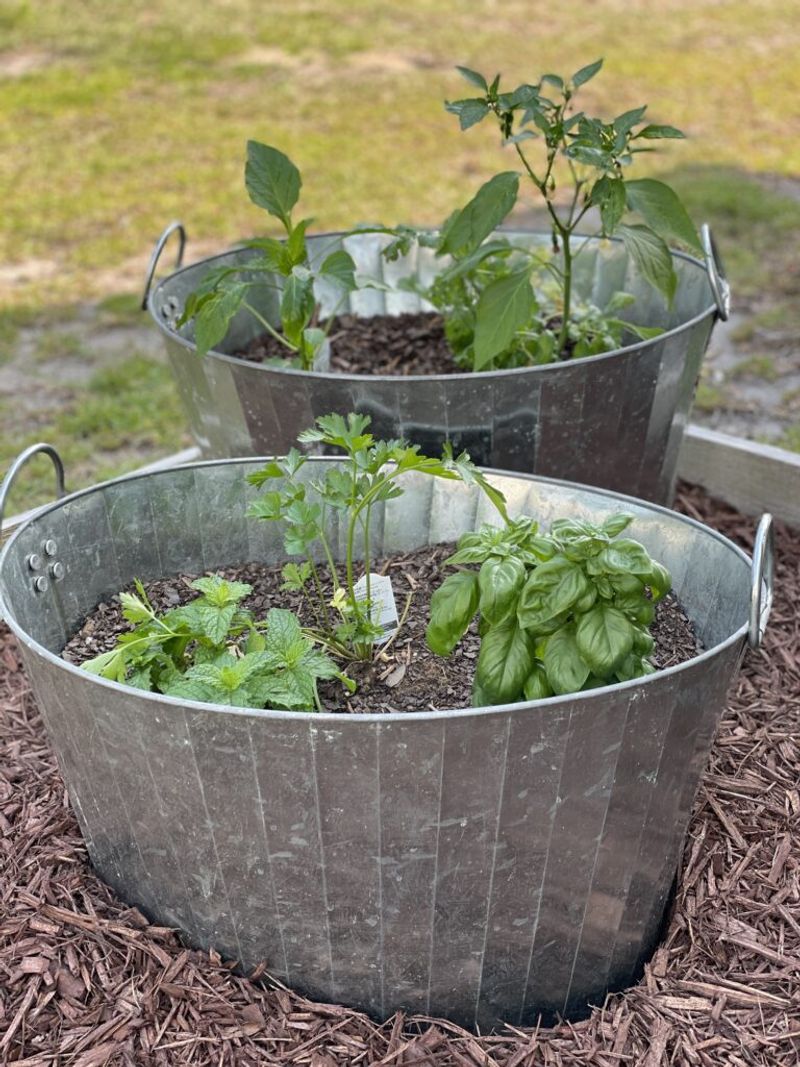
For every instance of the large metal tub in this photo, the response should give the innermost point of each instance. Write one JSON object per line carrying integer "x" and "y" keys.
{"x": 615, "y": 420}
{"x": 486, "y": 864}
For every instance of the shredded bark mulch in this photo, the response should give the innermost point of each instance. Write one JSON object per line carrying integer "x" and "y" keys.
{"x": 411, "y": 343}
{"x": 407, "y": 676}
{"x": 85, "y": 981}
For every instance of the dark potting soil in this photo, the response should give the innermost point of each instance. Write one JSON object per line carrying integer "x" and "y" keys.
{"x": 411, "y": 343}
{"x": 408, "y": 677}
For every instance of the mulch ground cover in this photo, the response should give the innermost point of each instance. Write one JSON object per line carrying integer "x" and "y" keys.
{"x": 86, "y": 981}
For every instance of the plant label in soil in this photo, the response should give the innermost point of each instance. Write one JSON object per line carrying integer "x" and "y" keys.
{"x": 383, "y": 610}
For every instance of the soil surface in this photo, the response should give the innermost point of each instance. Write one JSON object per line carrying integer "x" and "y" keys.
{"x": 408, "y": 676}
{"x": 86, "y": 979}
{"x": 411, "y": 343}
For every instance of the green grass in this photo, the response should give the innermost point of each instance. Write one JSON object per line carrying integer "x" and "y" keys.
{"x": 125, "y": 416}
{"x": 755, "y": 367}
{"x": 123, "y": 122}
{"x": 117, "y": 122}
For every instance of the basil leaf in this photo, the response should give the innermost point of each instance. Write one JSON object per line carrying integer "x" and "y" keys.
{"x": 537, "y": 687}
{"x": 452, "y": 607}
{"x": 499, "y": 582}
{"x": 552, "y": 589}
{"x": 604, "y": 638}
{"x": 504, "y": 662}
{"x": 563, "y": 662}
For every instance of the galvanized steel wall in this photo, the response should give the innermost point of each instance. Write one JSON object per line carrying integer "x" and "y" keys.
{"x": 484, "y": 864}
{"x": 615, "y": 420}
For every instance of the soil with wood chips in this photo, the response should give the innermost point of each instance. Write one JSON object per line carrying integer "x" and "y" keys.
{"x": 85, "y": 981}
{"x": 410, "y": 343}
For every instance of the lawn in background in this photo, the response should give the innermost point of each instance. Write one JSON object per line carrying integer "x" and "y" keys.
{"x": 116, "y": 121}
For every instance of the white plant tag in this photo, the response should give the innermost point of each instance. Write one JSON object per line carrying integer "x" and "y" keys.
{"x": 384, "y": 609}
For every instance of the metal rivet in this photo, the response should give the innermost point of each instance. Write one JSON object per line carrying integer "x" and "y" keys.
{"x": 34, "y": 562}
{"x": 50, "y": 547}
{"x": 40, "y": 584}
{"x": 57, "y": 571}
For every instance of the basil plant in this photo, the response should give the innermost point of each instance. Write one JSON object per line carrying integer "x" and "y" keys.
{"x": 558, "y": 613}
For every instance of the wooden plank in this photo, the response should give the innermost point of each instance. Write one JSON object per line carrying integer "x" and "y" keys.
{"x": 752, "y": 477}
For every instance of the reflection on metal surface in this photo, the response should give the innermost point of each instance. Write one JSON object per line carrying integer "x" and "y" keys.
{"x": 483, "y": 864}
{"x": 615, "y": 420}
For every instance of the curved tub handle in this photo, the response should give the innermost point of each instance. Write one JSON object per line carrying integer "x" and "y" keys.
{"x": 717, "y": 277}
{"x": 159, "y": 248}
{"x": 20, "y": 462}
{"x": 763, "y": 580}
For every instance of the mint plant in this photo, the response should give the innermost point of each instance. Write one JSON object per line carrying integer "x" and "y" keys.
{"x": 212, "y": 649}
{"x": 273, "y": 183}
{"x": 369, "y": 473}
{"x": 508, "y": 306}
{"x": 560, "y": 612}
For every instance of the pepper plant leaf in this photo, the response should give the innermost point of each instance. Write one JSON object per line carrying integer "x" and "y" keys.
{"x": 505, "y": 307}
{"x": 662, "y": 211}
{"x": 272, "y": 181}
{"x": 468, "y": 228}
{"x": 651, "y": 255}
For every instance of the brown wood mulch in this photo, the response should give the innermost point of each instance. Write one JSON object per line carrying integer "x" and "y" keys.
{"x": 85, "y": 981}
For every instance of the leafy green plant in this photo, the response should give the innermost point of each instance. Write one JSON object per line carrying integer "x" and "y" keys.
{"x": 505, "y": 305}
{"x": 273, "y": 183}
{"x": 212, "y": 649}
{"x": 369, "y": 473}
{"x": 560, "y": 612}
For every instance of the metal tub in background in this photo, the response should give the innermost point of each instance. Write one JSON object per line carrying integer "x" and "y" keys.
{"x": 486, "y": 864}
{"x": 615, "y": 420}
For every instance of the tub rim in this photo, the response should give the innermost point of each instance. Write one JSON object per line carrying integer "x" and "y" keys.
{"x": 331, "y": 718}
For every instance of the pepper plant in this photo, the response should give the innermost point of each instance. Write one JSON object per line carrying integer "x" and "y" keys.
{"x": 507, "y": 306}
{"x": 273, "y": 183}
{"x": 369, "y": 473}
{"x": 212, "y": 649}
{"x": 560, "y": 612}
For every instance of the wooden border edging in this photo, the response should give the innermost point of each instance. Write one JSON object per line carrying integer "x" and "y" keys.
{"x": 752, "y": 477}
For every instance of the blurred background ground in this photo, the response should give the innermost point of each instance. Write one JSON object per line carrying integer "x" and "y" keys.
{"x": 116, "y": 121}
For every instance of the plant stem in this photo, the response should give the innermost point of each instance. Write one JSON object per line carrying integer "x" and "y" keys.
{"x": 565, "y": 311}
{"x": 268, "y": 327}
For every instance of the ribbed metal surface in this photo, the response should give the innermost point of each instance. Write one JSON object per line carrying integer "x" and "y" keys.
{"x": 615, "y": 420}
{"x": 483, "y": 864}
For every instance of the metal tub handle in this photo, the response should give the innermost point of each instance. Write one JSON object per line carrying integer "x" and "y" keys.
{"x": 718, "y": 279}
{"x": 763, "y": 580}
{"x": 20, "y": 462}
{"x": 159, "y": 248}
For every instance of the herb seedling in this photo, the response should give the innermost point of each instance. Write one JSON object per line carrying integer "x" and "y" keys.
{"x": 559, "y": 613}
{"x": 212, "y": 649}
{"x": 273, "y": 183}
{"x": 508, "y": 306}
{"x": 369, "y": 473}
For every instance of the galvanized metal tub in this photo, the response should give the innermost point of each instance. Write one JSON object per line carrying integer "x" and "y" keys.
{"x": 485, "y": 864}
{"x": 615, "y": 420}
